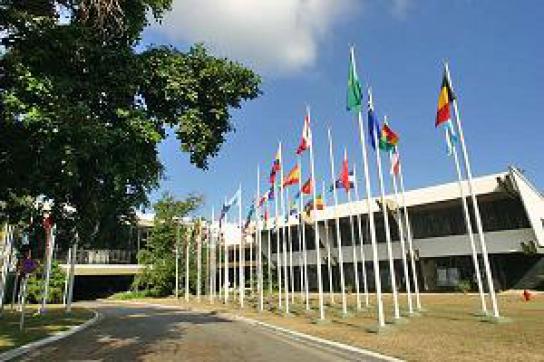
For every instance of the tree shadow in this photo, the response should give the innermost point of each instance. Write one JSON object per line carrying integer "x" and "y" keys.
{"x": 124, "y": 334}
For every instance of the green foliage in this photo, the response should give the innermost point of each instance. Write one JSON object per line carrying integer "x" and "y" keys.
{"x": 130, "y": 294}
{"x": 56, "y": 285}
{"x": 464, "y": 286}
{"x": 82, "y": 112}
{"x": 158, "y": 276}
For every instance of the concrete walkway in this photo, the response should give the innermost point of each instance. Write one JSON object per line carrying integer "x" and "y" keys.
{"x": 145, "y": 333}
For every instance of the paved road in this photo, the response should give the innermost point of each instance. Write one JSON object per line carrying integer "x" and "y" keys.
{"x": 141, "y": 333}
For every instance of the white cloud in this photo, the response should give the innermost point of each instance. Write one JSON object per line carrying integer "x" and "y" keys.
{"x": 275, "y": 36}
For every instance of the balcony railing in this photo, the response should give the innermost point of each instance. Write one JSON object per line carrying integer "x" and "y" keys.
{"x": 103, "y": 256}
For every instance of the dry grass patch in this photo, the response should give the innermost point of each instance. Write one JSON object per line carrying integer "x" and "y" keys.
{"x": 37, "y": 326}
{"x": 447, "y": 331}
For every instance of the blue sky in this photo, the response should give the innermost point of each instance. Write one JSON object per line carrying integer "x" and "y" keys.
{"x": 301, "y": 50}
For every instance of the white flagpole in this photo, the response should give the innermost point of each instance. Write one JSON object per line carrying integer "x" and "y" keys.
{"x": 221, "y": 262}
{"x": 375, "y": 260}
{"x": 409, "y": 237}
{"x": 300, "y": 259}
{"x": 385, "y": 215}
{"x": 241, "y": 261}
{"x": 51, "y": 247}
{"x": 269, "y": 249}
{"x": 176, "y": 283}
{"x": 259, "y": 242}
{"x": 66, "y": 279}
{"x": 208, "y": 288}
{"x": 328, "y": 245}
{"x": 290, "y": 242}
{"x": 469, "y": 230}
{"x": 479, "y": 225}
{"x": 361, "y": 239}
{"x": 284, "y": 241}
{"x": 198, "y": 240}
{"x": 302, "y": 224}
{"x": 187, "y": 260}
{"x": 212, "y": 247}
{"x": 402, "y": 241}
{"x": 71, "y": 280}
{"x": 6, "y": 260}
{"x": 250, "y": 265}
{"x": 337, "y": 220}
{"x": 226, "y": 262}
{"x": 316, "y": 228}
{"x": 278, "y": 249}
{"x": 353, "y": 246}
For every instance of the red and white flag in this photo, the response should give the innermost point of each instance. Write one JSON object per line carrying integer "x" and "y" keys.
{"x": 395, "y": 164}
{"x": 306, "y": 139}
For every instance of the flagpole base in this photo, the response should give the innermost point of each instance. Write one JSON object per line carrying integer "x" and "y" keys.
{"x": 399, "y": 321}
{"x": 495, "y": 320}
{"x": 377, "y": 329}
{"x": 320, "y": 321}
{"x": 480, "y": 314}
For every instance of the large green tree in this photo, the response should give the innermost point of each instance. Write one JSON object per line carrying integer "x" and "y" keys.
{"x": 82, "y": 111}
{"x": 169, "y": 232}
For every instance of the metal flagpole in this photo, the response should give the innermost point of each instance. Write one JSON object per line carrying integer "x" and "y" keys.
{"x": 338, "y": 234}
{"x": 402, "y": 240}
{"x": 303, "y": 232}
{"x": 241, "y": 277}
{"x": 269, "y": 249}
{"x": 198, "y": 239}
{"x": 208, "y": 288}
{"x": 221, "y": 263}
{"x": 284, "y": 242}
{"x": 353, "y": 244}
{"x": 328, "y": 245}
{"x": 290, "y": 244}
{"x": 176, "y": 288}
{"x": 259, "y": 242}
{"x": 316, "y": 227}
{"x": 211, "y": 248}
{"x": 187, "y": 260}
{"x": 66, "y": 279}
{"x": 479, "y": 225}
{"x": 468, "y": 224}
{"x": 361, "y": 239}
{"x": 72, "y": 274}
{"x": 409, "y": 237}
{"x": 385, "y": 215}
{"x": 250, "y": 264}
{"x": 51, "y": 247}
{"x": 6, "y": 261}
{"x": 278, "y": 249}
{"x": 375, "y": 261}
{"x": 226, "y": 262}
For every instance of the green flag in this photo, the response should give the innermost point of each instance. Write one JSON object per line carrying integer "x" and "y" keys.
{"x": 354, "y": 94}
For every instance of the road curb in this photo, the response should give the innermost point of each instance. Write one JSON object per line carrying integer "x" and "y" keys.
{"x": 337, "y": 346}
{"x": 19, "y": 351}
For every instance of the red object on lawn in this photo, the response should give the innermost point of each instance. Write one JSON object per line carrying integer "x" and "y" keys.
{"x": 527, "y": 295}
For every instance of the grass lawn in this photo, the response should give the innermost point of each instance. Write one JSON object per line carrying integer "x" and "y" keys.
{"x": 37, "y": 326}
{"x": 446, "y": 331}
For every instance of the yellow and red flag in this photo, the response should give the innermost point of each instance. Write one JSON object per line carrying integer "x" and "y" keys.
{"x": 307, "y": 187}
{"x": 293, "y": 177}
{"x": 276, "y": 166}
{"x": 445, "y": 97}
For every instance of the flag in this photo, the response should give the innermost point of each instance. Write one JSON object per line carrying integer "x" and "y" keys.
{"x": 445, "y": 97}
{"x": 293, "y": 207}
{"x": 451, "y": 137}
{"x": 306, "y": 138}
{"x": 249, "y": 215}
{"x": 388, "y": 138}
{"x": 344, "y": 173}
{"x": 395, "y": 163}
{"x": 319, "y": 204}
{"x": 307, "y": 187}
{"x": 275, "y": 166}
{"x": 354, "y": 93}
{"x": 293, "y": 177}
{"x": 339, "y": 185}
{"x": 373, "y": 124}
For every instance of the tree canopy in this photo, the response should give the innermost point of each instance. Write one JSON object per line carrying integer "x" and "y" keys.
{"x": 82, "y": 111}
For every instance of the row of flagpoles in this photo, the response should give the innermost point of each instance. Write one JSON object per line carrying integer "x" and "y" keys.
{"x": 380, "y": 138}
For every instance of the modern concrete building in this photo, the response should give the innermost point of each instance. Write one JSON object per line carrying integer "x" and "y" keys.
{"x": 512, "y": 211}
